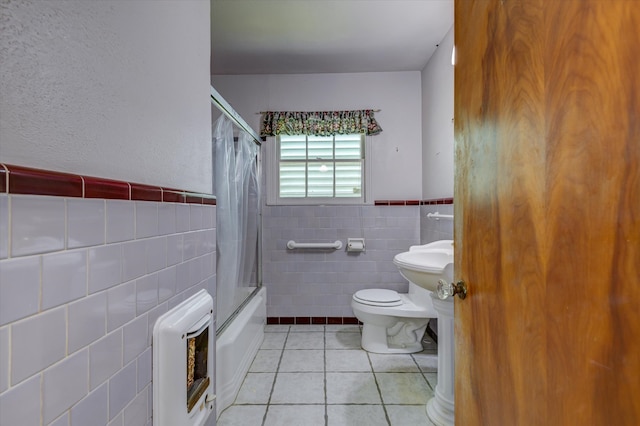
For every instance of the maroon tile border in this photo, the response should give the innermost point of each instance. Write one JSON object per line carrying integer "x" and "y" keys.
{"x": 437, "y": 201}
{"x": 312, "y": 320}
{"x": 102, "y": 188}
{"x": 3, "y": 178}
{"x": 413, "y": 202}
{"x": 26, "y": 180}
{"x": 173, "y": 196}
{"x": 145, "y": 192}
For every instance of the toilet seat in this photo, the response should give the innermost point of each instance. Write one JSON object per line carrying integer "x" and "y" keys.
{"x": 378, "y": 297}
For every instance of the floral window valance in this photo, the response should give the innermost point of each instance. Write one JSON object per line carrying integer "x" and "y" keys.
{"x": 321, "y": 123}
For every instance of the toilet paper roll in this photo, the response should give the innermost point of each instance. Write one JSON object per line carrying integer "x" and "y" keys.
{"x": 355, "y": 246}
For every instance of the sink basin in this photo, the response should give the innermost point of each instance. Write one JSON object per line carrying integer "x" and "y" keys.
{"x": 425, "y": 265}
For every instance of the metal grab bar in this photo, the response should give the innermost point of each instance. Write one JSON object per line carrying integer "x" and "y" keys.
{"x": 438, "y": 216}
{"x": 292, "y": 245}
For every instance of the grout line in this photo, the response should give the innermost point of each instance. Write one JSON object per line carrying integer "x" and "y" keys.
{"x": 275, "y": 377}
{"x": 375, "y": 379}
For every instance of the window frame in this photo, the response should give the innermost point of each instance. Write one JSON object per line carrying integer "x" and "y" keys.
{"x": 273, "y": 179}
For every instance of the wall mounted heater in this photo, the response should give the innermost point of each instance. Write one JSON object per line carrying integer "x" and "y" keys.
{"x": 183, "y": 366}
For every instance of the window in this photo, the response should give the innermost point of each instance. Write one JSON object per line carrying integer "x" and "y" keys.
{"x": 319, "y": 169}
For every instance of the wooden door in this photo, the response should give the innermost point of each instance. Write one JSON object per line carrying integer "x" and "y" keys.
{"x": 547, "y": 212}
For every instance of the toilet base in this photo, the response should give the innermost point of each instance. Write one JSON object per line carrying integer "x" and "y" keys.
{"x": 376, "y": 339}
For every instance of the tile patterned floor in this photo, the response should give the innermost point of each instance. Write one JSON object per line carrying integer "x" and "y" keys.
{"x": 308, "y": 375}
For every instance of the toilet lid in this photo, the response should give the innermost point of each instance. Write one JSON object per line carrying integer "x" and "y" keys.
{"x": 378, "y": 297}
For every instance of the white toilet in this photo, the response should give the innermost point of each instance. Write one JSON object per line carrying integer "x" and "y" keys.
{"x": 393, "y": 322}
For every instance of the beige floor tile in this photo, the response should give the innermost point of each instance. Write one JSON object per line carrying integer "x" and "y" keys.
{"x": 352, "y": 388}
{"x": 393, "y": 363}
{"x": 273, "y": 340}
{"x": 255, "y": 389}
{"x": 298, "y": 388}
{"x": 310, "y": 340}
{"x": 356, "y": 415}
{"x": 303, "y": 415}
{"x": 347, "y": 360}
{"x": 403, "y": 388}
{"x": 343, "y": 340}
{"x": 404, "y": 415}
{"x": 302, "y": 360}
{"x": 242, "y": 415}
{"x": 266, "y": 361}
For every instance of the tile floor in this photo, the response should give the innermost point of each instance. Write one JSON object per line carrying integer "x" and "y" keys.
{"x": 310, "y": 375}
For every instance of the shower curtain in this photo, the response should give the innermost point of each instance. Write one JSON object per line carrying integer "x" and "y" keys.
{"x": 237, "y": 190}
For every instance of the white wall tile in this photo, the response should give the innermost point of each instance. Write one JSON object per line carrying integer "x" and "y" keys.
{"x": 120, "y": 220}
{"x": 18, "y": 405}
{"x": 146, "y": 293}
{"x": 182, "y": 277}
{"x": 85, "y": 222}
{"x": 156, "y": 254}
{"x": 63, "y": 420}
{"x": 152, "y": 317}
{"x": 105, "y": 267}
{"x": 207, "y": 217}
{"x": 144, "y": 369}
{"x": 121, "y": 305}
{"x": 117, "y": 421}
{"x": 64, "y": 384}
{"x": 37, "y": 343}
{"x": 175, "y": 246}
{"x": 122, "y": 389}
{"x": 4, "y": 226}
{"x": 4, "y": 359}
{"x": 105, "y": 358}
{"x": 19, "y": 288}
{"x": 166, "y": 284}
{"x": 64, "y": 277}
{"x": 134, "y": 259}
{"x": 166, "y": 218}
{"x": 136, "y": 413}
{"x": 196, "y": 219}
{"x": 183, "y": 217}
{"x": 190, "y": 244}
{"x": 93, "y": 409}
{"x": 135, "y": 338}
{"x": 37, "y": 224}
{"x": 87, "y": 320}
{"x": 146, "y": 219}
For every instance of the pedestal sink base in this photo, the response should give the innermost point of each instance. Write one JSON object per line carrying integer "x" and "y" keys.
{"x": 438, "y": 413}
{"x": 440, "y": 408}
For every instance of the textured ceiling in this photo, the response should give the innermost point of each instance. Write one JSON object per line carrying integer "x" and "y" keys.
{"x": 325, "y": 36}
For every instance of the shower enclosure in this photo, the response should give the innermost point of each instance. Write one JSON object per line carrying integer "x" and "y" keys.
{"x": 240, "y": 298}
{"x": 237, "y": 189}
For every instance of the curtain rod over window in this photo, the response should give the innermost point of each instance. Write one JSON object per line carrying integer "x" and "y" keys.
{"x": 319, "y": 123}
{"x": 219, "y": 102}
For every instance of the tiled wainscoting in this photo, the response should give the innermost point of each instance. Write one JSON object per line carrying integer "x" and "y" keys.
{"x": 435, "y": 229}
{"x": 320, "y": 283}
{"x": 81, "y": 284}
{"x": 308, "y": 284}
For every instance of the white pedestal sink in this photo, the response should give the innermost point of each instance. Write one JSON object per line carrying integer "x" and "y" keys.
{"x": 425, "y": 266}
{"x": 440, "y": 407}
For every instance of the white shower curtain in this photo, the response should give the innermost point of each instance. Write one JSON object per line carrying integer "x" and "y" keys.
{"x": 237, "y": 190}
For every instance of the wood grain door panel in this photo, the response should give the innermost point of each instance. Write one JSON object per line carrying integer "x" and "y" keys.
{"x": 547, "y": 212}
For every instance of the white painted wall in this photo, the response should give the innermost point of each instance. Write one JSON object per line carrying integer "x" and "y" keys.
{"x": 396, "y": 152}
{"x": 111, "y": 88}
{"x": 437, "y": 125}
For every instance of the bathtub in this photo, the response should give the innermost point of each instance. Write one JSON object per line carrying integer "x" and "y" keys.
{"x": 237, "y": 346}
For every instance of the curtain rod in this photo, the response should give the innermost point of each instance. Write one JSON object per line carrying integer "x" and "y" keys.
{"x": 224, "y": 106}
{"x": 374, "y": 110}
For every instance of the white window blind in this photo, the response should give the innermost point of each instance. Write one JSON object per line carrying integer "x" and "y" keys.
{"x": 321, "y": 167}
